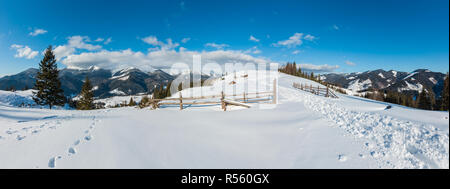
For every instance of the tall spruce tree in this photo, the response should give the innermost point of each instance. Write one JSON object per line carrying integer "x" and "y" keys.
{"x": 86, "y": 101}
{"x": 432, "y": 98}
{"x": 132, "y": 102}
{"x": 47, "y": 82}
{"x": 445, "y": 95}
{"x": 424, "y": 101}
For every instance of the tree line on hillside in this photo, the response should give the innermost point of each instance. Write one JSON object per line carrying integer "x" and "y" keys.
{"x": 293, "y": 69}
{"x": 425, "y": 100}
{"x": 12, "y": 88}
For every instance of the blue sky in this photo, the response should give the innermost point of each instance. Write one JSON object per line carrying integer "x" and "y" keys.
{"x": 338, "y": 36}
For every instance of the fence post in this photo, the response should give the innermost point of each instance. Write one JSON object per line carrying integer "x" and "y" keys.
{"x": 181, "y": 101}
{"x": 221, "y": 99}
{"x": 274, "y": 91}
{"x": 327, "y": 92}
{"x": 244, "y": 97}
{"x": 318, "y": 90}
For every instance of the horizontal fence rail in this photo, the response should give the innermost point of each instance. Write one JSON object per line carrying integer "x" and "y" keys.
{"x": 223, "y": 99}
{"x": 321, "y": 91}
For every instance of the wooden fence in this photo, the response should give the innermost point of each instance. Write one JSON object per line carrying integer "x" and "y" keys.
{"x": 223, "y": 99}
{"x": 316, "y": 90}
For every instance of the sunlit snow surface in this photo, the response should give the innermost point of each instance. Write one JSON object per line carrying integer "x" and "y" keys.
{"x": 302, "y": 131}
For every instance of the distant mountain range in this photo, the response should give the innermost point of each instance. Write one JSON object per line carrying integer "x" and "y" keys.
{"x": 130, "y": 81}
{"x": 404, "y": 82}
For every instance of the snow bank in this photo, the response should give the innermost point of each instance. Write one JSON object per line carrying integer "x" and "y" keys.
{"x": 393, "y": 141}
{"x": 302, "y": 131}
{"x": 112, "y": 101}
{"x": 245, "y": 81}
{"x": 356, "y": 85}
{"x": 16, "y": 98}
{"x": 117, "y": 92}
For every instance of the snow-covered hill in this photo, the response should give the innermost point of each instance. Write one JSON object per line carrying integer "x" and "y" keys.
{"x": 16, "y": 98}
{"x": 302, "y": 131}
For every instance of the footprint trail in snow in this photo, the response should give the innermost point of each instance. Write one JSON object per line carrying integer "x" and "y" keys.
{"x": 410, "y": 145}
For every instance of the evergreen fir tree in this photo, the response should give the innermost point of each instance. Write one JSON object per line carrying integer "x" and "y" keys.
{"x": 424, "y": 100}
{"x": 132, "y": 103}
{"x": 409, "y": 101}
{"x": 47, "y": 82}
{"x": 294, "y": 68}
{"x": 86, "y": 101}
{"x": 168, "y": 94}
{"x": 144, "y": 101}
{"x": 432, "y": 98}
{"x": 157, "y": 93}
{"x": 445, "y": 95}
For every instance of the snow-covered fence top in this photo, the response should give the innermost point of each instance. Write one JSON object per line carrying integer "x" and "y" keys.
{"x": 315, "y": 90}
{"x": 224, "y": 99}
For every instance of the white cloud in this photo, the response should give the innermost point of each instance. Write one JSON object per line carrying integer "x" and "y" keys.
{"x": 74, "y": 43}
{"x": 318, "y": 68}
{"x": 37, "y": 32}
{"x": 169, "y": 45}
{"x": 181, "y": 49}
{"x": 296, "y": 52}
{"x": 350, "y": 63}
{"x": 108, "y": 41}
{"x": 253, "y": 39}
{"x": 79, "y": 42}
{"x": 335, "y": 27}
{"x": 295, "y": 40}
{"x": 99, "y": 39}
{"x": 116, "y": 60}
{"x": 292, "y": 42}
{"x": 309, "y": 37}
{"x": 24, "y": 51}
{"x": 106, "y": 59}
{"x": 215, "y": 45}
{"x": 182, "y": 5}
{"x": 63, "y": 51}
{"x": 185, "y": 40}
{"x": 257, "y": 51}
{"x": 152, "y": 40}
{"x": 153, "y": 49}
{"x": 253, "y": 50}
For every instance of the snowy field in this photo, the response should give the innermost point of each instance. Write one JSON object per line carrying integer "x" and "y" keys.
{"x": 302, "y": 131}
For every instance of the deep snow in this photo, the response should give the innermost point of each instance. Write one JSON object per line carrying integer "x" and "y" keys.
{"x": 16, "y": 98}
{"x": 302, "y": 131}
